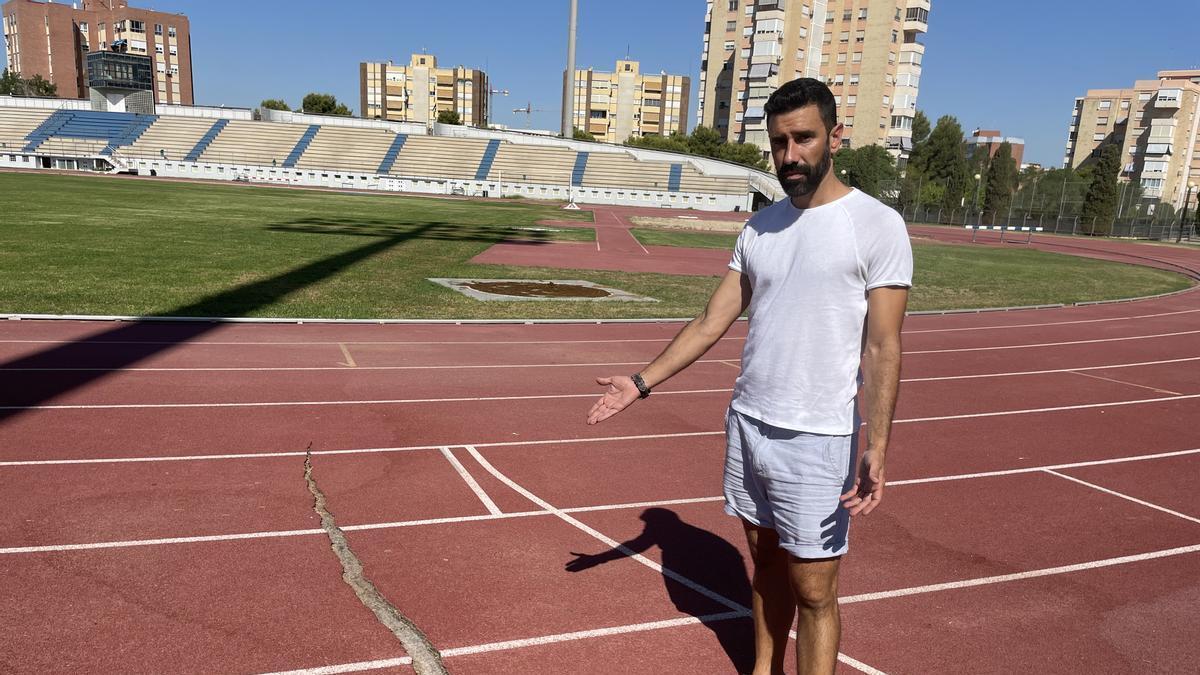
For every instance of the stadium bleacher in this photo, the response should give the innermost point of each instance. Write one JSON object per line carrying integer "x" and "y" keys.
{"x": 291, "y": 149}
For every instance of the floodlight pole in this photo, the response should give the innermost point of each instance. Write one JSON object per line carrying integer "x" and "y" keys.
{"x": 568, "y": 99}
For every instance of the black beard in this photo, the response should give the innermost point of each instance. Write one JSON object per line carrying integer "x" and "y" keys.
{"x": 810, "y": 176}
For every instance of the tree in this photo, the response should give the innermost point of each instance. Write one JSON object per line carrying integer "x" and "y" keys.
{"x": 12, "y": 84}
{"x": 581, "y": 135}
{"x": 274, "y": 104}
{"x": 449, "y": 117}
{"x": 944, "y": 160}
{"x": 1100, "y": 203}
{"x": 920, "y": 129}
{"x": 867, "y": 168}
{"x": 1001, "y": 179}
{"x": 323, "y": 104}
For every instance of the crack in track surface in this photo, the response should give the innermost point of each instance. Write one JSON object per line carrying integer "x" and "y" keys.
{"x": 426, "y": 659}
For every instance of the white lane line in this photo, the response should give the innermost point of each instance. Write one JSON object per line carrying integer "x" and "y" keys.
{"x": 254, "y": 369}
{"x": 471, "y": 483}
{"x": 1016, "y": 373}
{"x": 1018, "y": 576}
{"x": 1030, "y": 411}
{"x": 594, "y": 633}
{"x": 1037, "y": 469}
{"x": 1114, "y": 493}
{"x": 349, "y": 667}
{"x": 733, "y": 363}
{"x": 518, "y": 644}
{"x": 854, "y": 663}
{"x": 554, "y": 441}
{"x": 449, "y": 520}
{"x": 1050, "y": 323}
{"x": 957, "y": 350}
{"x": 357, "y": 451}
{"x": 607, "y": 541}
{"x": 1128, "y": 384}
{"x": 283, "y": 404}
{"x": 86, "y": 341}
{"x": 543, "y": 397}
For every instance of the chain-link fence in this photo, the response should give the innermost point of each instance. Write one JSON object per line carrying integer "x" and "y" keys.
{"x": 1057, "y": 212}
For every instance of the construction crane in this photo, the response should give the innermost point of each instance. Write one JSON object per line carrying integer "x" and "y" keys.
{"x": 529, "y": 110}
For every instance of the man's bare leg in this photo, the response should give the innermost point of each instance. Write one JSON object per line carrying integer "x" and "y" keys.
{"x": 814, "y": 586}
{"x": 773, "y": 605}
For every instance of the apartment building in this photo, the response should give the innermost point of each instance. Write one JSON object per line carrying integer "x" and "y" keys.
{"x": 419, "y": 91}
{"x": 1155, "y": 123}
{"x": 627, "y": 103}
{"x": 867, "y": 51}
{"x": 990, "y": 140}
{"x": 53, "y": 39}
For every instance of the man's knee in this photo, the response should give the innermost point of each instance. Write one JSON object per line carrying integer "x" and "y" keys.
{"x": 814, "y": 583}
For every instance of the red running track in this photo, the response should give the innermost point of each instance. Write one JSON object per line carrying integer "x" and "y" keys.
{"x": 158, "y": 516}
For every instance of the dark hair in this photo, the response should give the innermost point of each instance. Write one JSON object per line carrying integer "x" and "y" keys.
{"x": 801, "y": 92}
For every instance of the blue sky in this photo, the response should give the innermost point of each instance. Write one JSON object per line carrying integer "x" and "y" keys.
{"x": 1016, "y": 66}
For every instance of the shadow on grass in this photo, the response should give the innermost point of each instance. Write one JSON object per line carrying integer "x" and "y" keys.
{"x": 66, "y": 367}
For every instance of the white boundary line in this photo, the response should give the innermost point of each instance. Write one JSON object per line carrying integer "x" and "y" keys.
{"x": 282, "y": 404}
{"x": 564, "y": 441}
{"x": 543, "y": 397}
{"x": 1122, "y": 495}
{"x": 595, "y": 534}
{"x": 570, "y": 510}
{"x": 1051, "y": 344}
{"x": 470, "y": 481}
{"x": 1018, "y": 576}
{"x": 728, "y": 362}
{"x": 1049, "y": 323}
{"x": 486, "y": 343}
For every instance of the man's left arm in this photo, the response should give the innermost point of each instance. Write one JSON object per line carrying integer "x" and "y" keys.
{"x": 881, "y": 383}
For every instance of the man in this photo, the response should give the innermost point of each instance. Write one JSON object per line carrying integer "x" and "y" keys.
{"x": 825, "y": 276}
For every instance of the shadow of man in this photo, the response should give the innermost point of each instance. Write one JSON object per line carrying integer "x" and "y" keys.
{"x": 701, "y": 557}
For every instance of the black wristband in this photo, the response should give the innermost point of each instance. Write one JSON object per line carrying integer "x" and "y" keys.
{"x": 643, "y": 390}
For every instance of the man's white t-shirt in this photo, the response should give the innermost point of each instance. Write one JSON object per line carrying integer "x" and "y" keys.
{"x": 810, "y": 271}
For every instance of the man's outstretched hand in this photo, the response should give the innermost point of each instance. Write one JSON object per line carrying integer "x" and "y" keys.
{"x": 620, "y": 391}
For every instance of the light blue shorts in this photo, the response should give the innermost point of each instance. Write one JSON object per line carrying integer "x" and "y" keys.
{"x": 790, "y": 481}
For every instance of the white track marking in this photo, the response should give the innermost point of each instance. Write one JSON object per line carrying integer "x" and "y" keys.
{"x": 1052, "y": 344}
{"x": 254, "y": 369}
{"x": 349, "y": 359}
{"x": 543, "y": 397}
{"x": 1128, "y": 384}
{"x": 594, "y": 633}
{"x": 349, "y": 667}
{"x": 1018, "y": 576}
{"x": 302, "y": 343}
{"x": 858, "y": 665}
{"x": 575, "y": 509}
{"x": 471, "y": 483}
{"x": 1037, "y": 469}
{"x": 1049, "y": 323}
{"x": 733, "y": 363}
{"x": 1030, "y": 411}
{"x": 640, "y": 505}
{"x": 604, "y": 539}
{"x": 1016, "y": 373}
{"x": 282, "y": 404}
{"x": 526, "y": 642}
{"x": 1114, "y": 493}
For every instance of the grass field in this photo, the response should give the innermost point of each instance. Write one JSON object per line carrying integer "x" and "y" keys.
{"x": 88, "y": 245}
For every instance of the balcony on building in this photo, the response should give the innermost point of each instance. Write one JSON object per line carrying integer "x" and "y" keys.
{"x": 916, "y": 19}
{"x": 1168, "y": 98}
{"x": 1158, "y": 149}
